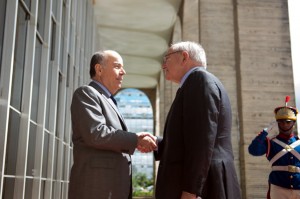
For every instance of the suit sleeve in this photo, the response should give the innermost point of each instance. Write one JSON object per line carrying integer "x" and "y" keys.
{"x": 160, "y": 148}
{"x": 98, "y": 127}
{"x": 201, "y": 110}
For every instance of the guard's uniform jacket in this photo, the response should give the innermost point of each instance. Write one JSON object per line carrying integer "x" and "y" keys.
{"x": 284, "y": 155}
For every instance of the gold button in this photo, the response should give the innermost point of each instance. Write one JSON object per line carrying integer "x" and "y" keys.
{"x": 292, "y": 186}
{"x": 291, "y": 177}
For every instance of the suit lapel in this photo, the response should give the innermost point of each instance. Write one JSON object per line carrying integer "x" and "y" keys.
{"x": 110, "y": 101}
{"x": 171, "y": 108}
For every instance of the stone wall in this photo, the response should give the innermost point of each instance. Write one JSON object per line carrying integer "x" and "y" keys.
{"x": 248, "y": 47}
{"x": 265, "y": 77}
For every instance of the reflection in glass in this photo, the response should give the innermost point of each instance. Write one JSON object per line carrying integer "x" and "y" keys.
{"x": 63, "y": 158}
{"x": 55, "y": 157}
{"x": 54, "y": 7}
{"x": 45, "y": 155}
{"x": 41, "y": 17}
{"x": 66, "y": 161}
{"x": 60, "y": 101}
{"x": 52, "y": 42}
{"x": 2, "y": 20}
{"x": 28, "y": 188}
{"x": 8, "y": 188}
{"x": 50, "y": 69}
{"x": 12, "y": 143}
{"x": 63, "y": 22}
{"x": 31, "y": 151}
{"x": 43, "y": 184}
{"x": 28, "y": 3}
{"x": 36, "y": 80}
{"x": 19, "y": 59}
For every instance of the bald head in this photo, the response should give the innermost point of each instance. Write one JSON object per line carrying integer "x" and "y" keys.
{"x": 101, "y": 58}
{"x": 107, "y": 68}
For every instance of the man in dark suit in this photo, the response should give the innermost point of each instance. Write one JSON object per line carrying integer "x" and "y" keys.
{"x": 195, "y": 153}
{"x": 102, "y": 145}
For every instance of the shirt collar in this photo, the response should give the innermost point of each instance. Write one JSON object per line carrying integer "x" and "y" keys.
{"x": 187, "y": 74}
{"x": 103, "y": 87}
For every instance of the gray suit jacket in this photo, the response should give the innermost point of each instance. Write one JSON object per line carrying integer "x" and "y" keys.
{"x": 195, "y": 153}
{"x": 102, "y": 164}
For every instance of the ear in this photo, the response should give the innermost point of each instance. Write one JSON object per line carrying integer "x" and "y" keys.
{"x": 98, "y": 69}
{"x": 185, "y": 56}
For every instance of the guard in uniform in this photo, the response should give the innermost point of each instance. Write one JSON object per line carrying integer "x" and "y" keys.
{"x": 283, "y": 153}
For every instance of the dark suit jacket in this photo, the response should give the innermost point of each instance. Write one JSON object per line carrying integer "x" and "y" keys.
{"x": 102, "y": 164}
{"x": 196, "y": 153}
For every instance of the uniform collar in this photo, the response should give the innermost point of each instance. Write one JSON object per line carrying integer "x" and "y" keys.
{"x": 285, "y": 137}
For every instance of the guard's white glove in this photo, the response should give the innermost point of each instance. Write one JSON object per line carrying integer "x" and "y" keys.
{"x": 270, "y": 126}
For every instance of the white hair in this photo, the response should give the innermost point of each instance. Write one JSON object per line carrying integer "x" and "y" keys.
{"x": 195, "y": 50}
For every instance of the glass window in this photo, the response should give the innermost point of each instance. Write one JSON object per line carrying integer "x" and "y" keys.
{"x": 64, "y": 162}
{"x": 64, "y": 190}
{"x": 19, "y": 59}
{"x": 52, "y": 58}
{"x": 53, "y": 185}
{"x": 55, "y": 158}
{"x": 68, "y": 70}
{"x": 2, "y": 22}
{"x": 31, "y": 150}
{"x": 59, "y": 104}
{"x": 41, "y": 17}
{"x": 12, "y": 143}
{"x": 48, "y": 99}
{"x": 36, "y": 79}
{"x": 8, "y": 188}
{"x": 28, "y": 188}
{"x": 63, "y": 22}
{"x": 54, "y": 8}
{"x": 43, "y": 184}
{"x": 45, "y": 155}
{"x": 28, "y": 3}
{"x": 52, "y": 42}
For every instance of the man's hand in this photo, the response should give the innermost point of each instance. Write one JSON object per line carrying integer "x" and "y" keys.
{"x": 146, "y": 142}
{"x": 187, "y": 195}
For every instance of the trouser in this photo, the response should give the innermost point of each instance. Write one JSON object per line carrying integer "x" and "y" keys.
{"x": 277, "y": 192}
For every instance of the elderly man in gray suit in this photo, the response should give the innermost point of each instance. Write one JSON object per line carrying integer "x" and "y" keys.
{"x": 196, "y": 158}
{"x": 102, "y": 144}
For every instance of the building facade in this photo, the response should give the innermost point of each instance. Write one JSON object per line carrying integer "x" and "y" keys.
{"x": 44, "y": 46}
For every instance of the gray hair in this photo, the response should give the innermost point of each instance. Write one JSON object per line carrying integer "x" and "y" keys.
{"x": 195, "y": 50}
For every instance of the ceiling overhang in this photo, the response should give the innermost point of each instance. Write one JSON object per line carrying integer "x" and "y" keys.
{"x": 140, "y": 31}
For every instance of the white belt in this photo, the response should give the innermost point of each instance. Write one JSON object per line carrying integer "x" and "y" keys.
{"x": 289, "y": 168}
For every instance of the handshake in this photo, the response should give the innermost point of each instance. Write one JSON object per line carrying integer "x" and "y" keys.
{"x": 146, "y": 142}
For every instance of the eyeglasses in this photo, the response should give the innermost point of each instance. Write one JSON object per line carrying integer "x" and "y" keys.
{"x": 167, "y": 55}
